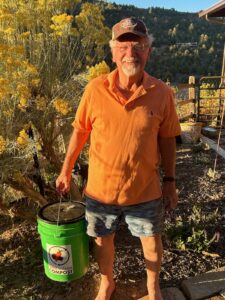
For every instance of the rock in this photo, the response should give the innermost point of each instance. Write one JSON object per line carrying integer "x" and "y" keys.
{"x": 172, "y": 294}
{"x": 204, "y": 285}
{"x": 169, "y": 294}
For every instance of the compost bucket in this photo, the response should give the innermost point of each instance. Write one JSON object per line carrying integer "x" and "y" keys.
{"x": 64, "y": 241}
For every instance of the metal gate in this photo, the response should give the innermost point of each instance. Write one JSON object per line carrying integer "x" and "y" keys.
{"x": 211, "y": 101}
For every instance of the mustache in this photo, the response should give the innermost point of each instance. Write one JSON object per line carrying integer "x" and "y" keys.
{"x": 130, "y": 60}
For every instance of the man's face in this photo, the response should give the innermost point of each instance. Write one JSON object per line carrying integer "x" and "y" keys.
{"x": 131, "y": 54}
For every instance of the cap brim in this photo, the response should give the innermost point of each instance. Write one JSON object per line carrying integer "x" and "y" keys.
{"x": 137, "y": 33}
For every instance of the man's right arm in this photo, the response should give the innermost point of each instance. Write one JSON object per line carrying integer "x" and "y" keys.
{"x": 76, "y": 144}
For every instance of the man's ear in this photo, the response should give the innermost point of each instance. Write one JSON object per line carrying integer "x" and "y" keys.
{"x": 113, "y": 59}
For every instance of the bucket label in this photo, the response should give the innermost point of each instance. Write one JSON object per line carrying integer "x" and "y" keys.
{"x": 60, "y": 259}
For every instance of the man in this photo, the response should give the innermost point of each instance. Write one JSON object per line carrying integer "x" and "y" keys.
{"x": 132, "y": 123}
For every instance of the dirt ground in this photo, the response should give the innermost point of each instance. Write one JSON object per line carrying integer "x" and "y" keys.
{"x": 21, "y": 267}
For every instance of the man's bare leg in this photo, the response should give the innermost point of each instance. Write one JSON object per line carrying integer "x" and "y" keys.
{"x": 153, "y": 249}
{"x": 104, "y": 254}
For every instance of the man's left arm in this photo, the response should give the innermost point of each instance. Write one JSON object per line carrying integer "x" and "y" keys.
{"x": 167, "y": 147}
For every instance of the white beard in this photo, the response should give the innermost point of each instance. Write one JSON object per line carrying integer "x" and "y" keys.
{"x": 130, "y": 66}
{"x": 130, "y": 69}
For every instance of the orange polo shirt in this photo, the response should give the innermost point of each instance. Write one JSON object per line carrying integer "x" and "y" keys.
{"x": 123, "y": 154}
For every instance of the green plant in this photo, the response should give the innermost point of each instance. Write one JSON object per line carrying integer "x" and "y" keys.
{"x": 202, "y": 158}
{"x": 193, "y": 233}
{"x": 199, "y": 241}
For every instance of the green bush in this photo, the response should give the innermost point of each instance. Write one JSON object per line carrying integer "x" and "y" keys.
{"x": 192, "y": 234}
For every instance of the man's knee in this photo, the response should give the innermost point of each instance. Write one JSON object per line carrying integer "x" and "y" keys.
{"x": 152, "y": 245}
{"x": 104, "y": 240}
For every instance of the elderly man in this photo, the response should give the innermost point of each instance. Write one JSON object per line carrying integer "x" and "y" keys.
{"x": 132, "y": 123}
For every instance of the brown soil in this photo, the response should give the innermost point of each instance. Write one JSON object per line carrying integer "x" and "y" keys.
{"x": 21, "y": 266}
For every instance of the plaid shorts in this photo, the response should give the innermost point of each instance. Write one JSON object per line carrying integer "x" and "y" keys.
{"x": 144, "y": 219}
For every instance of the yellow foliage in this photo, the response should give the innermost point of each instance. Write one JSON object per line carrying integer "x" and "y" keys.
{"x": 2, "y": 144}
{"x": 4, "y": 88}
{"x": 10, "y": 61}
{"x": 41, "y": 103}
{"x": 3, "y": 47}
{"x": 9, "y": 30}
{"x": 98, "y": 69}
{"x": 74, "y": 32}
{"x": 23, "y": 90}
{"x": 3, "y": 82}
{"x": 23, "y": 138}
{"x": 25, "y": 34}
{"x": 23, "y": 104}
{"x": 39, "y": 45}
{"x": 61, "y": 106}
{"x": 8, "y": 113}
{"x": 17, "y": 49}
{"x": 5, "y": 15}
{"x": 35, "y": 82}
{"x": 39, "y": 35}
{"x": 61, "y": 24}
{"x": 59, "y": 33}
{"x": 91, "y": 18}
{"x": 62, "y": 19}
{"x": 31, "y": 69}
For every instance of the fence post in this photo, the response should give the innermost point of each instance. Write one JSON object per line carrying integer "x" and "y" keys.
{"x": 191, "y": 90}
{"x": 223, "y": 68}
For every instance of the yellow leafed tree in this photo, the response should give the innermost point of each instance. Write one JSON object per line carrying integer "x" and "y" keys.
{"x": 44, "y": 52}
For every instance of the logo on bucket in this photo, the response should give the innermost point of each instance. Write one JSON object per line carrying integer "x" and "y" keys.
{"x": 59, "y": 255}
{"x": 60, "y": 259}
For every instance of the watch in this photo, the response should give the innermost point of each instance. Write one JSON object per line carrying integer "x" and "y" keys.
{"x": 168, "y": 178}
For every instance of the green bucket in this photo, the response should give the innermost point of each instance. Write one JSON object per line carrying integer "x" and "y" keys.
{"x": 65, "y": 244}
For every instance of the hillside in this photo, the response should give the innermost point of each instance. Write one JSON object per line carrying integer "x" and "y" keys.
{"x": 184, "y": 44}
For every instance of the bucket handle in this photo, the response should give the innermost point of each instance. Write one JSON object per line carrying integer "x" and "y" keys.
{"x": 58, "y": 214}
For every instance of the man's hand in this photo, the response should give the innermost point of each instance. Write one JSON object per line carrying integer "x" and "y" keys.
{"x": 63, "y": 183}
{"x": 169, "y": 194}
{"x": 76, "y": 143}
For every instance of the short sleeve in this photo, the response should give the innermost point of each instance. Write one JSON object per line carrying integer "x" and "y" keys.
{"x": 82, "y": 120}
{"x": 170, "y": 125}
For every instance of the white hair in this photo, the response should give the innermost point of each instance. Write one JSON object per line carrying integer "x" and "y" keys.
{"x": 150, "y": 41}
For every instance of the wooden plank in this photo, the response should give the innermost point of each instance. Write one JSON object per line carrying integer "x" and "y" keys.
{"x": 185, "y": 118}
{"x": 185, "y": 85}
{"x": 183, "y": 102}
{"x": 213, "y": 145}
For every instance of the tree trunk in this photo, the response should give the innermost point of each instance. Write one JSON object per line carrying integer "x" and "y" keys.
{"x": 26, "y": 187}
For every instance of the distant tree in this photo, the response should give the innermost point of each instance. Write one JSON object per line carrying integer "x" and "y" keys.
{"x": 203, "y": 38}
{"x": 211, "y": 50}
{"x": 191, "y": 27}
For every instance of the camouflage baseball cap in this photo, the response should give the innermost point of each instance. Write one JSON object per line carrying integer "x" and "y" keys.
{"x": 129, "y": 25}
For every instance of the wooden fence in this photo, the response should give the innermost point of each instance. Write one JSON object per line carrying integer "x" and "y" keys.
{"x": 185, "y": 97}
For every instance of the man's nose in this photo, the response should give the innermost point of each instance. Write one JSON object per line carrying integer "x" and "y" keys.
{"x": 130, "y": 50}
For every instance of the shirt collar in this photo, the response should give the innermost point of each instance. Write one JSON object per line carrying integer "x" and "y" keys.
{"x": 110, "y": 80}
{"x": 147, "y": 83}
